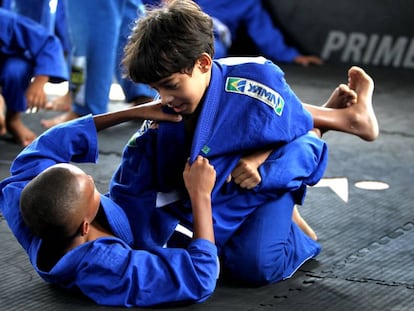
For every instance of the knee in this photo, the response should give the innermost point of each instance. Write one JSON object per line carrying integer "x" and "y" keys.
{"x": 255, "y": 267}
{"x": 16, "y": 71}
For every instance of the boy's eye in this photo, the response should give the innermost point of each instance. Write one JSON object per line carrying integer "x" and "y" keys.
{"x": 171, "y": 86}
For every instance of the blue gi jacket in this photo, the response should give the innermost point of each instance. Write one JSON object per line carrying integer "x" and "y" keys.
{"x": 259, "y": 25}
{"x": 22, "y": 37}
{"x": 111, "y": 270}
{"x": 247, "y": 106}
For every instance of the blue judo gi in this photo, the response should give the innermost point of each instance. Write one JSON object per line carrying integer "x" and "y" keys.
{"x": 259, "y": 26}
{"x": 98, "y": 45}
{"x": 134, "y": 9}
{"x": 112, "y": 270}
{"x": 248, "y": 106}
{"x": 26, "y": 50}
{"x": 49, "y": 13}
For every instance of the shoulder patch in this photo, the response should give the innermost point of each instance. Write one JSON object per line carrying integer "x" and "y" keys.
{"x": 132, "y": 142}
{"x": 256, "y": 90}
{"x": 144, "y": 127}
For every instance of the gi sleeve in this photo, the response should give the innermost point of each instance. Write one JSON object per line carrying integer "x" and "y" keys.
{"x": 268, "y": 38}
{"x": 73, "y": 141}
{"x": 119, "y": 276}
{"x": 294, "y": 166}
{"x": 22, "y": 37}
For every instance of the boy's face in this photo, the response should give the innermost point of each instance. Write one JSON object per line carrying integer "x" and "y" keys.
{"x": 89, "y": 195}
{"x": 183, "y": 92}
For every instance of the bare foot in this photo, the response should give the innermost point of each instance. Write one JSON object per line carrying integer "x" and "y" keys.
{"x": 3, "y": 128}
{"x": 350, "y": 106}
{"x": 21, "y": 134}
{"x": 67, "y": 116}
{"x": 363, "y": 121}
{"x": 302, "y": 224}
{"x": 62, "y": 103}
{"x": 341, "y": 97}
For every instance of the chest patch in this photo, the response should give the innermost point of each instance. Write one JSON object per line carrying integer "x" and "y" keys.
{"x": 256, "y": 90}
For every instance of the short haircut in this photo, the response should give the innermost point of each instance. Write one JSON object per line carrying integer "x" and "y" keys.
{"x": 167, "y": 40}
{"x": 49, "y": 203}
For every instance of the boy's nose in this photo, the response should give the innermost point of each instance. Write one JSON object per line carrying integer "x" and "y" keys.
{"x": 167, "y": 100}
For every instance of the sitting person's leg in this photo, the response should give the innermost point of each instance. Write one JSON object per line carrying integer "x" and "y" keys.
{"x": 15, "y": 78}
{"x": 302, "y": 224}
{"x": 349, "y": 109}
{"x": 61, "y": 103}
{"x": 269, "y": 246}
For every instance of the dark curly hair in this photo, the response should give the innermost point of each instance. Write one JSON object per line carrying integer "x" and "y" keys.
{"x": 168, "y": 40}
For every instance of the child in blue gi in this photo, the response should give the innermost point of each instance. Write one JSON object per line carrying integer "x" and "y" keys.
{"x": 259, "y": 27}
{"x": 97, "y": 50}
{"x": 29, "y": 57}
{"x": 49, "y": 13}
{"x": 231, "y": 108}
{"x": 76, "y": 237}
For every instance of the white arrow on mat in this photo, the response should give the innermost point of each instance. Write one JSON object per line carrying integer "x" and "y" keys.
{"x": 337, "y": 185}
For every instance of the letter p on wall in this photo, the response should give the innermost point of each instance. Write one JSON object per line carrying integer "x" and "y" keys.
{"x": 335, "y": 42}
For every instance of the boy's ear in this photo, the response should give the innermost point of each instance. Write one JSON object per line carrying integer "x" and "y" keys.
{"x": 204, "y": 62}
{"x": 84, "y": 229}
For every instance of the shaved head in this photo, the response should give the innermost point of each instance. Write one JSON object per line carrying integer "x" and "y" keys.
{"x": 50, "y": 202}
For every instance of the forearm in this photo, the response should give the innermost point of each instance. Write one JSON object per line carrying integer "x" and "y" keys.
{"x": 150, "y": 111}
{"x": 199, "y": 179}
{"x": 105, "y": 120}
{"x": 258, "y": 157}
{"x": 202, "y": 218}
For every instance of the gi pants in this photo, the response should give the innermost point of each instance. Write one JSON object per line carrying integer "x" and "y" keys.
{"x": 263, "y": 249}
{"x": 15, "y": 77}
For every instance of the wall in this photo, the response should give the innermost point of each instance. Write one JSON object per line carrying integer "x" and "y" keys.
{"x": 374, "y": 32}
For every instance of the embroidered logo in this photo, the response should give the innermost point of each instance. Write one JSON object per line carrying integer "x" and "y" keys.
{"x": 132, "y": 142}
{"x": 205, "y": 149}
{"x": 144, "y": 127}
{"x": 256, "y": 90}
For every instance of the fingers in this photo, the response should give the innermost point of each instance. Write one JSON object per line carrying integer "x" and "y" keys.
{"x": 228, "y": 179}
{"x": 155, "y": 109}
{"x": 35, "y": 101}
{"x": 199, "y": 177}
{"x": 306, "y": 60}
{"x": 201, "y": 166}
{"x": 174, "y": 117}
{"x": 202, "y": 162}
{"x": 247, "y": 181}
{"x": 245, "y": 176}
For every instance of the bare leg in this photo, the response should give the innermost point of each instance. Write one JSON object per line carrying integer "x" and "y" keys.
{"x": 62, "y": 103}
{"x": 349, "y": 109}
{"x": 67, "y": 116}
{"x": 22, "y": 134}
{"x": 3, "y": 129}
{"x": 302, "y": 224}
